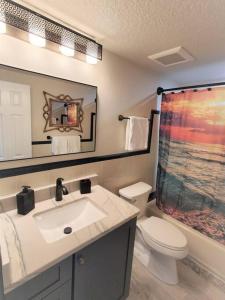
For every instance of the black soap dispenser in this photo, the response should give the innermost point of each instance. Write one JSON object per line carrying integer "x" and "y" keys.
{"x": 25, "y": 200}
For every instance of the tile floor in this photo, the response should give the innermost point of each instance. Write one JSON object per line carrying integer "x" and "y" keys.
{"x": 145, "y": 286}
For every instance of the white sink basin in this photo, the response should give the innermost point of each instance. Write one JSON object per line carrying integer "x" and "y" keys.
{"x": 77, "y": 215}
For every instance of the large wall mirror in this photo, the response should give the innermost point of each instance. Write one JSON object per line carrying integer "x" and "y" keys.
{"x": 43, "y": 116}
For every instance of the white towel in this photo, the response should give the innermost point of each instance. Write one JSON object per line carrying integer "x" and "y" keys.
{"x": 64, "y": 144}
{"x": 137, "y": 133}
{"x": 59, "y": 145}
{"x": 73, "y": 143}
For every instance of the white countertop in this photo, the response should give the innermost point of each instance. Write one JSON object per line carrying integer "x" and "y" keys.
{"x": 29, "y": 253}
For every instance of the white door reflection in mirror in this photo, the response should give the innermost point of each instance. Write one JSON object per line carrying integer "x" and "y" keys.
{"x": 15, "y": 121}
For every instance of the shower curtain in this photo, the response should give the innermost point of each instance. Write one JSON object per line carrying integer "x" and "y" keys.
{"x": 191, "y": 167}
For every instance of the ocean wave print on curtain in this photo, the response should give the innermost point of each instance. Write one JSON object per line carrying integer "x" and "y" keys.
{"x": 191, "y": 168}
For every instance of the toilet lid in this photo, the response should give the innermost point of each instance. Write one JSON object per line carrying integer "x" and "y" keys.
{"x": 163, "y": 233}
{"x": 135, "y": 190}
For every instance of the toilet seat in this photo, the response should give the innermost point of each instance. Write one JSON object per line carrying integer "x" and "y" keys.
{"x": 152, "y": 246}
{"x": 159, "y": 233}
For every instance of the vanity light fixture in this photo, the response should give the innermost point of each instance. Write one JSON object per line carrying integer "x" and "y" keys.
{"x": 92, "y": 53}
{"x": 2, "y": 27}
{"x": 37, "y": 40}
{"x": 36, "y": 28}
{"x": 2, "y": 22}
{"x": 41, "y": 31}
{"x": 66, "y": 51}
{"x": 67, "y": 43}
{"x": 91, "y": 60}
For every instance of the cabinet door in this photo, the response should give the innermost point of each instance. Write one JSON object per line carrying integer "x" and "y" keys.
{"x": 44, "y": 283}
{"x": 102, "y": 270}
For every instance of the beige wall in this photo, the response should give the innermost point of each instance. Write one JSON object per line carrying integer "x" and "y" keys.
{"x": 113, "y": 174}
{"x": 122, "y": 88}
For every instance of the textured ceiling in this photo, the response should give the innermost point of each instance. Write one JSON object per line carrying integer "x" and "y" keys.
{"x": 135, "y": 29}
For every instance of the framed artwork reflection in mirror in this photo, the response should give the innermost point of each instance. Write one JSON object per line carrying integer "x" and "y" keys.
{"x": 62, "y": 113}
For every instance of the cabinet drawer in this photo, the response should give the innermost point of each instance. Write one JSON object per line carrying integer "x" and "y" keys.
{"x": 62, "y": 293}
{"x": 47, "y": 282}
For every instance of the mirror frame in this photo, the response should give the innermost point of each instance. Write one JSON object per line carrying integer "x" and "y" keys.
{"x": 93, "y": 128}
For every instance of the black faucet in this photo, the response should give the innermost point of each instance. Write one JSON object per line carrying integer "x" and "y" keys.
{"x": 60, "y": 190}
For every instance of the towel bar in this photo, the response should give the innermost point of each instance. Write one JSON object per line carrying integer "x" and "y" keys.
{"x": 151, "y": 120}
{"x": 49, "y": 137}
{"x": 121, "y": 118}
{"x": 153, "y": 112}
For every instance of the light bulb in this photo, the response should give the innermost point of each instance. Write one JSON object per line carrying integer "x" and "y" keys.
{"x": 66, "y": 51}
{"x": 91, "y": 60}
{"x": 91, "y": 53}
{"x": 2, "y": 27}
{"x": 37, "y": 40}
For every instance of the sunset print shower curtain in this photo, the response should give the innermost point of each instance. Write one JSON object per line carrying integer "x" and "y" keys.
{"x": 191, "y": 168}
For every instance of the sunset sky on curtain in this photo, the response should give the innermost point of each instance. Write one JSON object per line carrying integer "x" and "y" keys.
{"x": 198, "y": 116}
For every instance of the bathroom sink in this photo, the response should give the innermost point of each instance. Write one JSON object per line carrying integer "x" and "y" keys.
{"x": 73, "y": 216}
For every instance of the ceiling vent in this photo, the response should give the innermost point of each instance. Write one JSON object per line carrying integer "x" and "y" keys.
{"x": 171, "y": 57}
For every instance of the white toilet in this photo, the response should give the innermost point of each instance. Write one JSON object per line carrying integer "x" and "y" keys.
{"x": 158, "y": 243}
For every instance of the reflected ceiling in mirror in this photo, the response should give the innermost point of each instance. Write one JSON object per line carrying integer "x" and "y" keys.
{"x": 32, "y": 104}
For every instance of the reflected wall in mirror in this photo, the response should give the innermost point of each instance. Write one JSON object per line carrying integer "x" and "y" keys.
{"x": 32, "y": 104}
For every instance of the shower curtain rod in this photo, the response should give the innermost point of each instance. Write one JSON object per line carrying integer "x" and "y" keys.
{"x": 161, "y": 90}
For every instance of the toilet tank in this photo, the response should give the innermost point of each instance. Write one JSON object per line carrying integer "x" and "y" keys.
{"x": 137, "y": 194}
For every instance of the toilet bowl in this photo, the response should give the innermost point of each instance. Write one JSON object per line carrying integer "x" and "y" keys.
{"x": 158, "y": 243}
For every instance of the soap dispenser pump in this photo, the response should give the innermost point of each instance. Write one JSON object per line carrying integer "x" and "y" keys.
{"x": 25, "y": 200}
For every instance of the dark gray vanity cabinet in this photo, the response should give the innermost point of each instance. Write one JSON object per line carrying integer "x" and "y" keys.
{"x": 62, "y": 293}
{"x": 100, "y": 271}
{"x": 103, "y": 269}
{"x": 46, "y": 283}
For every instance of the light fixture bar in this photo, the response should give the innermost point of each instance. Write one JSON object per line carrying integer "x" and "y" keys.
{"x": 19, "y": 16}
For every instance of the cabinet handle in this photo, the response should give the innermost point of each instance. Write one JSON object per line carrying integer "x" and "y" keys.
{"x": 81, "y": 260}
